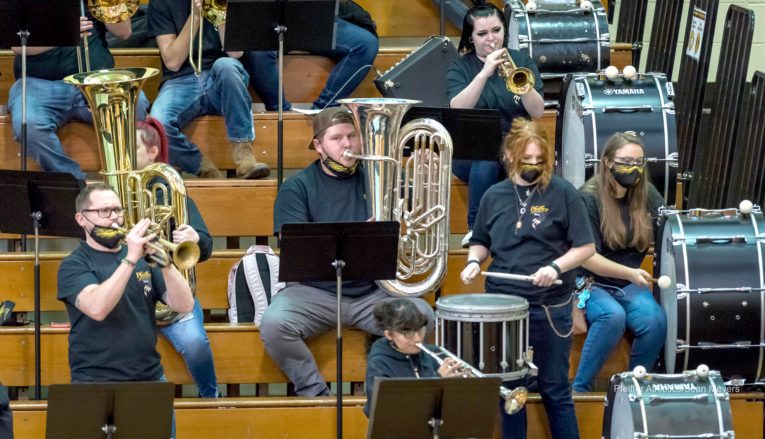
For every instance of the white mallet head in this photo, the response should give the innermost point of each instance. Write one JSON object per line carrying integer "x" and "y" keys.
{"x": 629, "y": 73}
{"x": 531, "y": 7}
{"x": 664, "y": 282}
{"x": 612, "y": 72}
{"x": 702, "y": 371}
{"x": 745, "y": 207}
{"x": 639, "y": 372}
{"x": 586, "y": 5}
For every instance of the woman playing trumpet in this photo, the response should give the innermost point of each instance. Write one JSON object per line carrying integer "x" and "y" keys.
{"x": 396, "y": 354}
{"x": 473, "y": 81}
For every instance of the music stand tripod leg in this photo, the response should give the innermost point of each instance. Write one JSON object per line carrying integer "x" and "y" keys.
{"x": 339, "y": 264}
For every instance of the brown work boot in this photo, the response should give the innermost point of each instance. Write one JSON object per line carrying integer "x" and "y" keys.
{"x": 246, "y": 166}
{"x": 207, "y": 169}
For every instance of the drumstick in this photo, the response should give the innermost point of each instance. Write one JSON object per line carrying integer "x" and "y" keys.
{"x": 515, "y": 277}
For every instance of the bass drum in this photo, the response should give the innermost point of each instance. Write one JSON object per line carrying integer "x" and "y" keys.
{"x": 667, "y": 406}
{"x": 593, "y": 108}
{"x": 714, "y": 304}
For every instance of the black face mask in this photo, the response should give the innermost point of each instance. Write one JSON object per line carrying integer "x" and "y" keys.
{"x": 530, "y": 173}
{"x": 105, "y": 236}
{"x": 626, "y": 176}
{"x": 338, "y": 169}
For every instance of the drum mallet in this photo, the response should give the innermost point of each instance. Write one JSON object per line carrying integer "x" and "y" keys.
{"x": 662, "y": 281}
{"x": 514, "y": 277}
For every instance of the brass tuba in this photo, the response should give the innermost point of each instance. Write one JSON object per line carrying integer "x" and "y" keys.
{"x": 156, "y": 192}
{"x": 213, "y": 11}
{"x": 412, "y": 190}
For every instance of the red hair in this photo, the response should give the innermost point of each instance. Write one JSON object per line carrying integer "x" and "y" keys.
{"x": 153, "y": 134}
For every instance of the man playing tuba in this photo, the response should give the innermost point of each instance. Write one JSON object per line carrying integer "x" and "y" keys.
{"x": 199, "y": 78}
{"x": 51, "y": 102}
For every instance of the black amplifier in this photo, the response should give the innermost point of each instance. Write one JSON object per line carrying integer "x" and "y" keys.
{"x": 421, "y": 75}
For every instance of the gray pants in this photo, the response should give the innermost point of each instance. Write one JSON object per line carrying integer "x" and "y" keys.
{"x": 301, "y": 312}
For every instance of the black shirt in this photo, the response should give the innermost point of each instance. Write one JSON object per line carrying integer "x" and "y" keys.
{"x": 122, "y": 347}
{"x": 312, "y": 196}
{"x": 630, "y": 256}
{"x": 554, "y": 222}
{"x": 167, "y": 17}
{"x": 494, "y": 95}
{"x": 61, "y": 62}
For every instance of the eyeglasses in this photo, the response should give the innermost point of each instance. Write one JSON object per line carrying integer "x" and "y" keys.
{"x": 106, "y": 212}
{"x": 410, "y": 333}
{"x": 630, "y": 161}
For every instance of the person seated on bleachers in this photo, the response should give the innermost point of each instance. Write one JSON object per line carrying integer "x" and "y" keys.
{"x": 51, "y": 102}
{"x": 620, "y": 202}
{"x": 355, "y": 51}
{"x": 186, "y": 332}
{"x": 331, "y": 189}
{"x": 473, "y": 81}
{"x": 110, "y": 292}
{"x": 396, "y": 354}
{"x": 219, "y": 88}
{"x": 6, "y": 417}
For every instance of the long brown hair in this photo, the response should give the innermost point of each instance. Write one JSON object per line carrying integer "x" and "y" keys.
{"x": 604, "y": 187}
{"x": 522, "y": 132}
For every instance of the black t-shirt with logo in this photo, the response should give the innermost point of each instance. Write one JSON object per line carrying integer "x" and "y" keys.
{"x": 312, "y": 196}
{"x": 167, "y": 17}
{"x": 122, "y": 347}
{"x": 630, "y": 256}
{"x": 554, "y": 222}
{"x": 60, "y": 62}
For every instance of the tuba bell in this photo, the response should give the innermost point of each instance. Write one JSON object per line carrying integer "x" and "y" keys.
{"x": 412, "y": 190}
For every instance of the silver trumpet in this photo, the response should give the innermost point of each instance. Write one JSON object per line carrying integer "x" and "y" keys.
{"x": 514, "y": 399}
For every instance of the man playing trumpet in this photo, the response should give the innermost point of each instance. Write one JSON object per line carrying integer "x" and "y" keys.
{"x": 110, "y": 293}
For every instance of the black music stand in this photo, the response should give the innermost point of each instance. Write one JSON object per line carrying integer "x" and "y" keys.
{"x": 103, "y": 410}
{"x": 353, "y": 251}
{"x": 39, "y": 203}
{"x": 261, "y": 25}
{"x": 476, "y": 133}
{"x": 435, "y": 407}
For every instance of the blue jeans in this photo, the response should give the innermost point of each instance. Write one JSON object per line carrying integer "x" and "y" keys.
{"x": 51, "y": 105}
{"x": 354, "y": 54}
{"x": 221, "y": 90}
{"x": 6, "y": 417}
{"x": 609, "y": 311}
{"x": 190, "y": 340}
{"x": 551, "y": 354}
{"x": 480, "y": 175}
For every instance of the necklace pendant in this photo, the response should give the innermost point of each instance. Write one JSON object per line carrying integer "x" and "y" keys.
{"x": 518, "y": 224}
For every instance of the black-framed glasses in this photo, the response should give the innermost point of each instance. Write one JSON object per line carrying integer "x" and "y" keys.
{"x": 410, "y": 333}
{"x": 630, "y": 161}
{"x": 106, "y": 212}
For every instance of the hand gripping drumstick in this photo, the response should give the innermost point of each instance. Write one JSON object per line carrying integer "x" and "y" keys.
{"x": 514, "y": 277}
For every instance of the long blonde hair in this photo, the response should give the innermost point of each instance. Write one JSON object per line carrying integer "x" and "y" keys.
{"x": 604, "y": 187}
{"x": 522, "y": 132}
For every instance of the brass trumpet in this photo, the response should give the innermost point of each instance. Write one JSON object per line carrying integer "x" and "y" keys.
{"x": 185, "y": 254}
{"x": 518, "y": 80}
{"x": 215, "y": 12}
{"x": 514, "y": 399}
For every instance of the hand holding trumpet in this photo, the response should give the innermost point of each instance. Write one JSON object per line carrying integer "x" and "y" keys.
{"x": 137, "y": 240}
{"x": 493, "y": 60}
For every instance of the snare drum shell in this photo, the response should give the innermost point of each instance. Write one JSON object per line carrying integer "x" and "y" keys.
{"x": 698, "y": 252}
{"x": 592, "y": 109}
{"x": 671, "y": 406}
{"x": 561, "y": 38}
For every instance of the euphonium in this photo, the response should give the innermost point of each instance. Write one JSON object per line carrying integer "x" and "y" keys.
{"x": 213, "y": 11}
{"x": 514, "y": 399}
{"x": 412, "y": 190}
{"x": 518, "y": 80}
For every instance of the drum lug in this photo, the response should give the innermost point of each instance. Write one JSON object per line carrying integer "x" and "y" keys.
{"x": 670, "y": 90}
{"x": 681, "y": 346}
{"x": 589, "y": 160}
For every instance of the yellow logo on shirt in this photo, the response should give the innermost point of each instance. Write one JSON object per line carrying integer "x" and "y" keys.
{"x": 539, "y": 210}
{"x": 143, "y": 276}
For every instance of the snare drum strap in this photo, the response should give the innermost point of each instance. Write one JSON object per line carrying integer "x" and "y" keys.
{"x": 550, "y": 320}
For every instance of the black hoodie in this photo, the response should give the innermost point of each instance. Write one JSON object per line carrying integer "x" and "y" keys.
{"x": 386, "y": 362}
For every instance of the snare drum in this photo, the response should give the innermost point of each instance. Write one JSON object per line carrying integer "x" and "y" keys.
{"x": 714, "y": 304}
{"x": 669, "y": 406}
{"x": 489, "y": 331}
{"x": 593, "y": 109}
{"x": 561, "y": 37}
